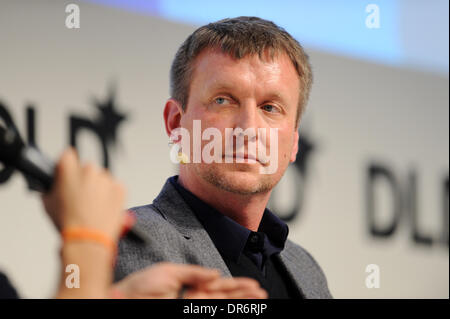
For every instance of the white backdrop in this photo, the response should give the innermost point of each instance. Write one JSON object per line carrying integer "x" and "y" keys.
{"x": 359, "y": 115}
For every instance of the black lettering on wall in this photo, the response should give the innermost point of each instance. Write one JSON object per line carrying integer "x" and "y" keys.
{"x": 375, "y": 175}
{"x": 411, "y": 203}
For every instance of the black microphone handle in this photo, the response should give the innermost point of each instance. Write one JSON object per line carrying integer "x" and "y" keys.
{"x": 39, "y": 168}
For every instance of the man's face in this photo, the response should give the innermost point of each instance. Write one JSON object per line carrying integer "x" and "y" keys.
{"x": 244, "y": 93}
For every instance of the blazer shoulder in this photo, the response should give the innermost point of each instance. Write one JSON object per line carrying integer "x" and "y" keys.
{"x": 148, "y": 214}
{"x": 155, "y": 223}
{"x": 305, "y": 262}
{"x": 295, "y": 252}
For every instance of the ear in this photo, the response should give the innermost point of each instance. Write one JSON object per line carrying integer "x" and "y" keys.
{"x": 294, "y": 147}
{"x": 172, "y": 115}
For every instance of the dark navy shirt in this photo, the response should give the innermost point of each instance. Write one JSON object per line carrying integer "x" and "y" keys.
{"x": 245, "y": 252}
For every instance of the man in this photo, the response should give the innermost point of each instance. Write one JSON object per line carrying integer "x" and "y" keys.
{"x": 235, "y": 75}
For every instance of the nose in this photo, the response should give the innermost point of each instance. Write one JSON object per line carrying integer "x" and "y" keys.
{"x": 247, "y": 117}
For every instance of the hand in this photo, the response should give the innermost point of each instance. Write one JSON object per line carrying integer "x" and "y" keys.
{"x": 165, "y": 280}
{"x": 85, "y": 196}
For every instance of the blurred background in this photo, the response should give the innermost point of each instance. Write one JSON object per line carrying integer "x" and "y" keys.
{"x": 368, "y": 194}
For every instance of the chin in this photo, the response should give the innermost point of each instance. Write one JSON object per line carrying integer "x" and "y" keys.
{"x": 241, "y": 179}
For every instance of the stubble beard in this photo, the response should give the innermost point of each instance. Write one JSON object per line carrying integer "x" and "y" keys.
{"x": 265, "y": 183}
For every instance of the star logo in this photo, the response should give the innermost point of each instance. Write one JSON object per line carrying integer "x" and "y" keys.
{"x": 105, "y": 125}
{"x": 109, "y": 119}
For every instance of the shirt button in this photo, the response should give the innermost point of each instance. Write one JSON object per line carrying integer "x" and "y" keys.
{"x": 254, "y": 239}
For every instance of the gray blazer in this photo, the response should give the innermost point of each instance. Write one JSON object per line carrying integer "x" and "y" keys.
{"x": 176, "y": 235}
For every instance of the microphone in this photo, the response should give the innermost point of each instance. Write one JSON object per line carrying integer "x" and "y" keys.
{"x": 38, "y": 169}
{"x": 27, "y": 159}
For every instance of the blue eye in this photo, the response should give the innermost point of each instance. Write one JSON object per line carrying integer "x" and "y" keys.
{"x": 269, "y": 108}
{"x": 220, "y": 100}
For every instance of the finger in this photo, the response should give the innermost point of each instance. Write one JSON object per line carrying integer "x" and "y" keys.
{"x": 64, "y": 172}
{"x": 238, "y": 290}
{"x": 250, "y": 293}
{"x": 193, "y": 274}
{"x": 226, "y": 284}
{"x": 92, "y": 171}
{"x": 233, "y": 294}
{"x": 68, "y": 166}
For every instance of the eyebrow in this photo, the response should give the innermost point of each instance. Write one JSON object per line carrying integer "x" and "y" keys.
{"x": 220, "y": 87}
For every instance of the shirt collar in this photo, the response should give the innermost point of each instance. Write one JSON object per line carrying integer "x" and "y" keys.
{"x": 228, "y": 236}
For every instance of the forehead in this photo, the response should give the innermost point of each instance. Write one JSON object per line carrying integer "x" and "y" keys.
{"x": 213, "y": 67}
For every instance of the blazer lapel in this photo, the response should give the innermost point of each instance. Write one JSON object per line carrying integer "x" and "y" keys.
{"x": 175, "y": 210}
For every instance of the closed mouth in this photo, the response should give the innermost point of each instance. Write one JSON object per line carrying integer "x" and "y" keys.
{"x": 247, "y": 158}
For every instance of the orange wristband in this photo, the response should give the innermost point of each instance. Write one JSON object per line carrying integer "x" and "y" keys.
{"x": 91, "y": 235}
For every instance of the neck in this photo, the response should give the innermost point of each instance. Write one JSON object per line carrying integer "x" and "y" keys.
{"x": 246, "y": 210}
